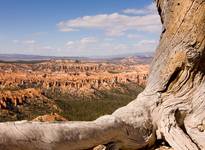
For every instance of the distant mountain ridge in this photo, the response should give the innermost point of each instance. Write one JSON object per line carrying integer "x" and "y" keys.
{"x": 25, "y": 57}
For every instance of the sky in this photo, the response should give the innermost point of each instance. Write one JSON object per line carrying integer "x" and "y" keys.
{"x": 78, "y": 27}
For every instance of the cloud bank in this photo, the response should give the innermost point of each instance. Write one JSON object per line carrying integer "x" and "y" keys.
{"x": 131, "y": 30}
{"x": 116, "y": 24}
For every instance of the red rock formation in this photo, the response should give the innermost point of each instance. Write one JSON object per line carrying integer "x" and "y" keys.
{"x": 50, "y": 118}
{"x": 10, "y": 99}
{"x": 66, "y": 77}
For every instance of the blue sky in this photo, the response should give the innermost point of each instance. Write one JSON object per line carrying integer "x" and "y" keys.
{"x": 78, "y": 27}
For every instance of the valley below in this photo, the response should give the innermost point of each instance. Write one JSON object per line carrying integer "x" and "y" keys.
{"x": 74, "y": 89}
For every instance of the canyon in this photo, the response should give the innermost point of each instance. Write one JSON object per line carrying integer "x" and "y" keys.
{"x": 24, "y": 84}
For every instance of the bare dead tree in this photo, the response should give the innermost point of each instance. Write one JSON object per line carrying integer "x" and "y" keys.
{"x": 172, "y": 106}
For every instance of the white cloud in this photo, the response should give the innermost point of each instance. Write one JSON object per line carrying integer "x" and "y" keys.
{"x": 70, "y": 43}
{"x": 146, "y": 45}
{"x": 62, "y": 29}
{"x": 15, "y": 41}
{"x": 150, "y": 9}
{"x": 144, "y": 42}
{"x": 47, "y": 48}
{"x": 91, "y": 46}
{"x": 38, "y": 33}
{"x": 109, "y": 39}
{"x": 106, "y": 47}
{"x": 136, "y": 26}
{"x": 115, "y": 24}
{"x": 34, "y": 47}
{"x": 88, "y": 40}
{"x": 135, "y": 36}
{"x": 29, "y": 42}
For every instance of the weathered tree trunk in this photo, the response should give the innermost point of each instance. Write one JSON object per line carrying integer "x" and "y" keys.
{"x": 172, "y": 107}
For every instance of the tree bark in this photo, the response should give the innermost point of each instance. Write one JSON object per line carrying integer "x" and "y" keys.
{"x": 172, "y": 106}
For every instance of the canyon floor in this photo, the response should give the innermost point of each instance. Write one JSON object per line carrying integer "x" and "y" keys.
{"x": 74, "y": 89}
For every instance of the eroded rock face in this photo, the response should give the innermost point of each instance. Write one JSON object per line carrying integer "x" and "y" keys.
{"x": 39, "y": 85}
{"x": 9, "y": 99}
{"x": 69, "y": 77}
